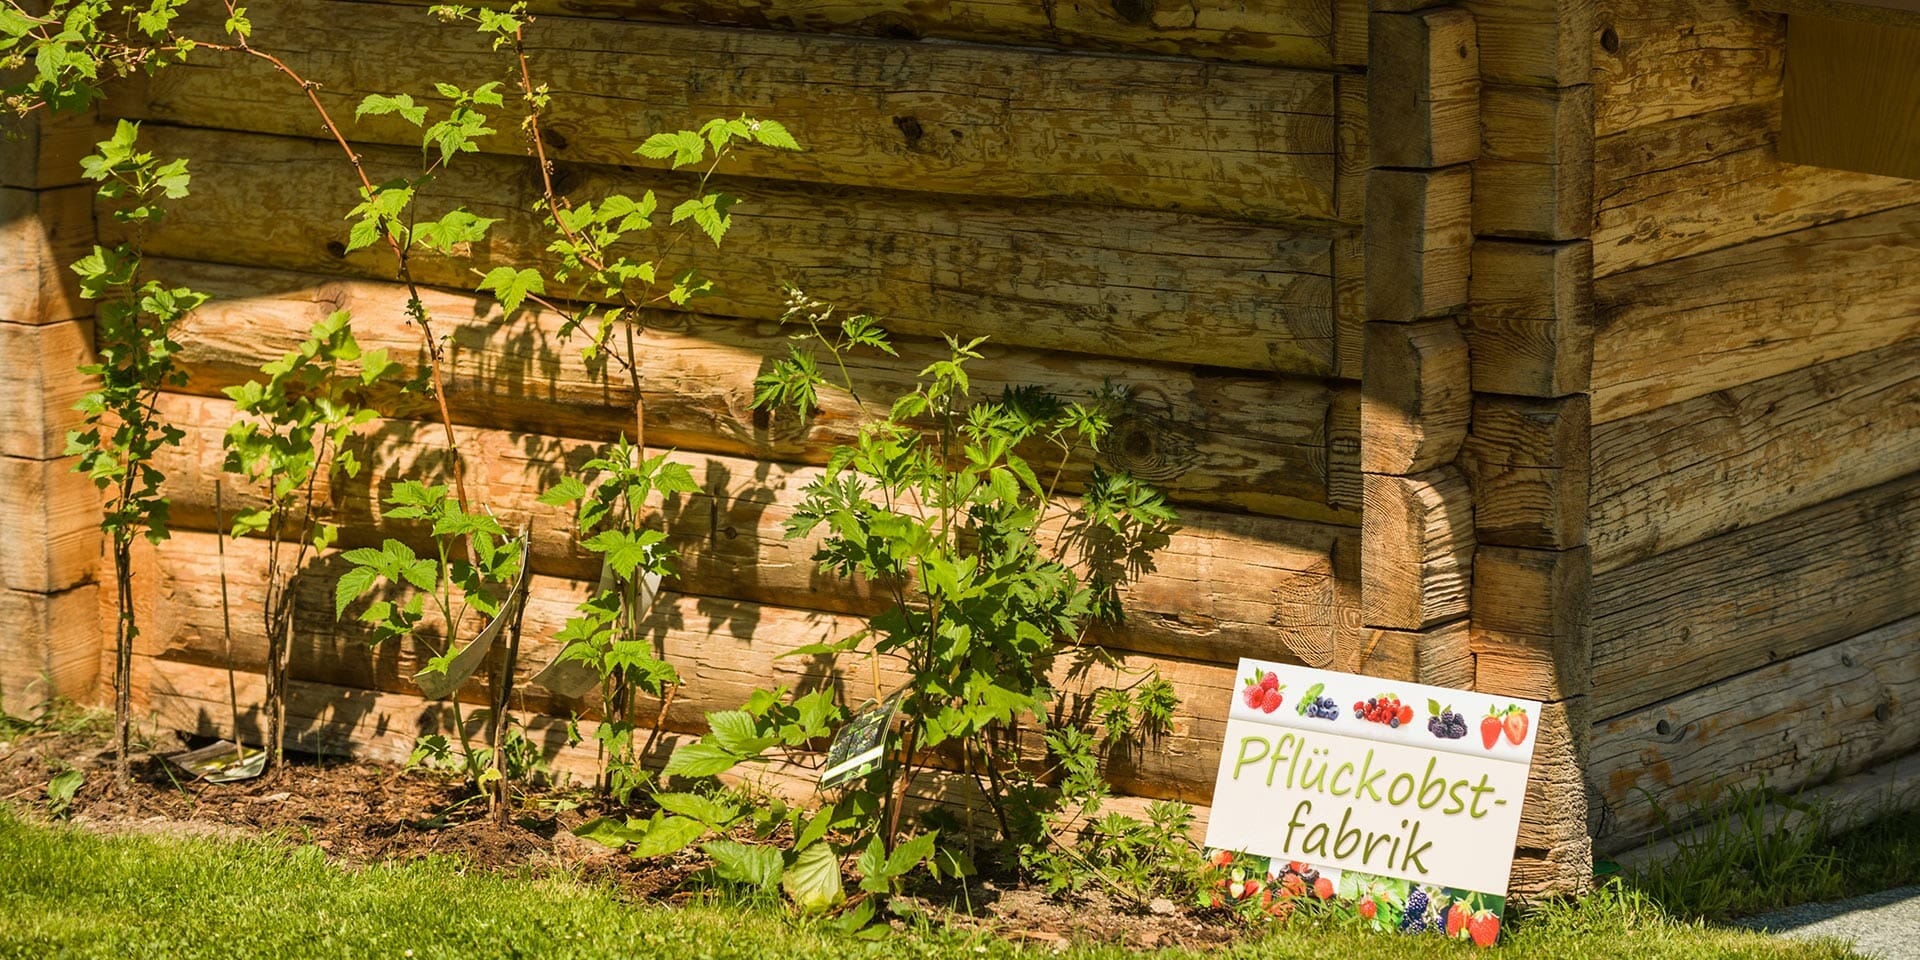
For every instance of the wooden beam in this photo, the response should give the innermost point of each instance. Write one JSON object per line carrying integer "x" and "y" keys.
{"x": 1416, "y": 557}
{"x": 1414, "y": 398}
{"x": 1531, "y": 622}
{"x": 1559, "y": 808}
{"x": 43, "y": 150}
{"x": 43, "y": 232}
{"x": 1849, "y": 99}
{"x": 1748, "y": 454}
{"x": 1351, "y": 160}
{"x": 1441, "y": 656}
{"x": 50, "y": 648}
{"x": 1534, "y": 178}
{"x": 1423, "y": 88}
{"x": 1419, "y": 240}
{"x": 1825, "y": 713}
{"x": 1886, "y": 13}
{"x": 1530, "y": 322}
{"x": 42, "y": 383}
{"x": 1542, "y": 43}
{"x": 1740, "y": 601}
{"x": 1528, "y": 462}
{"x": 1682, "y": 58}
{"x": 50, "y": 521}
{"x": 1196, "y": 289}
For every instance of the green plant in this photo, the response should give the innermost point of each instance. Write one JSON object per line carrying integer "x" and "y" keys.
{"x": 294, "y": 430}
{"x": 135, "y": 359}
{"x": 61, "y": 790}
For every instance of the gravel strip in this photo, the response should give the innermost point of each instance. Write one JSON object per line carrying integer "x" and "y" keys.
{"x": 1885, "y": 924}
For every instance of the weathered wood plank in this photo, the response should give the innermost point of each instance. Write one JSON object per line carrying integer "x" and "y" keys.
{"x": 43, "y": 231}
{"x": 1528, "y": 462}
{"x": 1205, "y": 437}
{"x": 1541, "y": 43}
{"x": 1349, "y": 303}
{"x": 1534, "y": 178}
{"x": 50, "y": 648}
{"x": 1419, "y": 242}
{"x": 43, "y": 150}
{"x": 1222, "y": 587}
{"x": 1530, "y": 323}
{"x": 1531, "y": 613}
{"x": 1149, "y": 285}
{"x": 1698, "y": 184}
{"x": 1676, "y": 332}
{"x": 50, "y": 522}
{"x": 1848, "y": 99}
{"x": 1283, "y": 33}
{"x": 41, "y": 385}
{"x": 1161, "y": 133}
{"x": 1828, "y": 712}
{"x": 1746, "y": 454}
{"x": 1655, "y": 62}
{"x": 1442, "y": 655}
{"x": 1350, "y": 33}
{"x": 1351, "y": 154}
{"x": 1416, "y": 562}
{"x": 1740, "y": 601}
{"x": 1423, "y": 88}
{"x": 1558, "y": 807}
{"x": 1415, "y": 399}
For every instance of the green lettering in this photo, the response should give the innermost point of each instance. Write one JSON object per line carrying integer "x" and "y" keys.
{"x": 1366, "y": 782}
{"x": 1338, "y": 790}
{"x": 1406, "y": 778}
{"x": 1342, "y": 849}
{"x": 1243, "y": 760}
{"x": 1413, "y": 853}
{"x": 1480, "y": 790}
{"x": 1438, "y": 785}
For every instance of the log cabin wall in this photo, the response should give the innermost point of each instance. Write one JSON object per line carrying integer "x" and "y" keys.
{"x": 1755, "y": 405}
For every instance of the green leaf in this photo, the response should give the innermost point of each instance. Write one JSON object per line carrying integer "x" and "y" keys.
{"x": 812, "y": 881}
{"x": 908, "y": 855}
{"x": 699, "y": 759}
{"x": 771, "y": 133}
{"x": 350, "y": 586}
{"x": 608, "y": 831}
{"x": 756, "y": 866}
{"x": 707, "y": 810}
{"x": 565, "y": 492}
{"x": 512, "y": 286}
{"x": 624, "y": 551}
{"x": 669, "y": 835}
{"x": 377, "y": 105}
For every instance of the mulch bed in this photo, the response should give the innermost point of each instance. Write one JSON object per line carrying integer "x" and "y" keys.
{"x": 361, "y": 813}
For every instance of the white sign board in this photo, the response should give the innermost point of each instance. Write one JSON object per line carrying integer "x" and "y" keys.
{"x": 1404, "y": 797}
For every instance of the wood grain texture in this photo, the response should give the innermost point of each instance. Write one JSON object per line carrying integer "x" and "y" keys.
{"x": 1283, "y": 33}
{"x": 50, "y": 523}
{"x": 1207, "y": 437}
{"x": 1888, "y": 13}
{"x": 1756, "y": 596}
{"x": 1419, "y": 242}
{"x": 1828, "y": 712}
{"x": 1681, "y": 331}
{"x": 42, "y": 232}
{"x": 42, "y": 382}
{"x": 1415, "y": 398}
{"x": 1747, "y": 454}
{"x": 1349, "y": 303}
{"x": 723, "y": 650}
{"x": 1423, "y": 88}
{"x": 1560, "y": 807}
{"x": 1528, "y": 462}
{"x": 1654, "y": 62}
{"x": 43, "y": 150}
{"x": 1542, "y": 43}
{"x": 1534, "y": 178}
{"x": 1223, "y": 586}
{"x": 1350, "y": 33}
{"x": 1146, "y": 285}
{"x": 1849, "y": 99}
{"x": 1530, "y": 320}
{"x": 1688, "y": 186}
{"x": 50, "y": 649}
{"x": 1162, "y": 133}
{"x": 1416, "y": 543}
{"x": 1441, "y": 656}
{"x": 1351, "y": 154}
{"x": 1531, "y": 622}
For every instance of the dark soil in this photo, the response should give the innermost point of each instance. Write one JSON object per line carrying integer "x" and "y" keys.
{"x": 362, "y": 812}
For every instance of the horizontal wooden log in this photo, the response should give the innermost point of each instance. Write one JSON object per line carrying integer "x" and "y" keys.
{"x": 42, "y": 383}
{"x": 50, "y": 648}
{"x": 1542, "y": 43}
{"x": 1441, "y": 656}
{"x": 1207, "y": 437}
{"x": 1222, "y": 587}
{"x": 1416, "y": 560}
{"x": 1747, "y": 454}
{"x": 1530, "y": 320}
{"x": 1141, "y": 284}
{"x": 43, "y": 150}
{"x": 1415, "y": 399}
{"x": 43, "y": 232}
{"x": 1743, "y": 600}
{"x": 1826, "y": 713}
{"x": 1846, "y": 101}
{"x": 50, "y": 522}
{"x": 1534, "y": 178}
{"x": 1678, "y": 59}
{"x": 1419, "y": 241}
{"x": 723, "y": 650}
{"x": 1528, "y": 463}
{"x": 1287, "y": 33}
{"x": 1423, "y": 88}
{"x": 1161, "y": 133}
{"x": 1531, "y": 622}
{"x": 1708, "y": 182}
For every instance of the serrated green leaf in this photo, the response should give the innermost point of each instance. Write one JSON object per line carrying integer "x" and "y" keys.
{"x": 512, "y": 286}
{"x": 756, "y": 866}
{"x": 699, "y": 759}
{"x": 713, "y": 813}
{"x": 813, "y": 881}
{"x": 668, "y": 835}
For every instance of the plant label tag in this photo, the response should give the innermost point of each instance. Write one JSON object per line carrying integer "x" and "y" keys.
{"x": 1398, "y": 801}
{"x": 859, "y": 745}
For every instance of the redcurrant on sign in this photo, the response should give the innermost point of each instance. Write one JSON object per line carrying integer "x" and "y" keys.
{"x": 1398, "y": 802}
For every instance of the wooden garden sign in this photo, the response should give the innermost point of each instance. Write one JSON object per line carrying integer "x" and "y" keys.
{"x": 1398, "y": 801}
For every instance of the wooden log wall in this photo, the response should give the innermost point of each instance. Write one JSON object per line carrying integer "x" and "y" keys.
{"x": 50, "y": 517}
{"x": 1755, "y": 408}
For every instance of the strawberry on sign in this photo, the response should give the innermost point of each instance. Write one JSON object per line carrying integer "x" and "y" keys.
{"x": 1407, "y": 826}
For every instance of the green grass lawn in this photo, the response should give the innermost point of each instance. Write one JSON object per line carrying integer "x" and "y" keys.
{"x": 69, "y": 893}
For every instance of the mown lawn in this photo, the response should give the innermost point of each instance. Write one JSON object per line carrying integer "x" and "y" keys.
{"x": 69, "y": 893}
